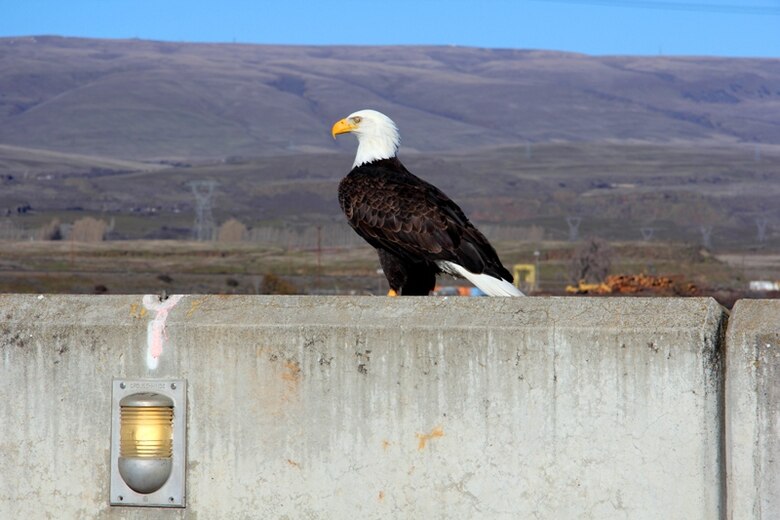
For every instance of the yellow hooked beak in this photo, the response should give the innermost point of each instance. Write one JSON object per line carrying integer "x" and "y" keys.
{"x": 342, "y": 127}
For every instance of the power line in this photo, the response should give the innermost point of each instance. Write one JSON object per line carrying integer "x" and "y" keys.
{"x": 675, "y": 6}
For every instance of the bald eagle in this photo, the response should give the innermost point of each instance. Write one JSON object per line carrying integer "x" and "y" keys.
{"x": 416, "y": 229}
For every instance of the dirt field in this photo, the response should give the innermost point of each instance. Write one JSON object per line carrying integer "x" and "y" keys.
{"x": 242, "y": 268}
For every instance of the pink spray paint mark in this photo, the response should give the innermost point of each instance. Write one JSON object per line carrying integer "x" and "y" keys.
{"x": 155, "y": 330}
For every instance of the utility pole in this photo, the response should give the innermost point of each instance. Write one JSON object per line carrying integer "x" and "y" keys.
{"x": 319, "y": 255}
{"x": 537, "y": 278}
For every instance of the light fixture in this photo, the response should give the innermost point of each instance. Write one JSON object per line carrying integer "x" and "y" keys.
{"x": 148, "y": 443}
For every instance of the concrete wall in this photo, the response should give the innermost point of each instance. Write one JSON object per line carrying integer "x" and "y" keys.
{"x": 339, "y": 407}
{"x": 753, "y": 410}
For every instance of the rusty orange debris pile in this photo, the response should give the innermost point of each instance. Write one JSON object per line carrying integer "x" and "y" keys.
{"x": 636, "y": 284}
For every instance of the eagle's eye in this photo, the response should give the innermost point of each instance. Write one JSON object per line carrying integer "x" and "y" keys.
{"x": 357, "y": 119}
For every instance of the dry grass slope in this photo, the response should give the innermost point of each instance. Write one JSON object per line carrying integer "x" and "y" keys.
{"x": 119, "y": 128}
{"x": 157, "y": 100}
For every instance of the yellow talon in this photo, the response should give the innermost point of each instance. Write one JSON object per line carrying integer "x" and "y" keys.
{"x": 392, "y": 293}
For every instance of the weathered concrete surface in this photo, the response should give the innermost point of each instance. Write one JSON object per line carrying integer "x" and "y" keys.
{"x": 753, "y": 410}
{"x": 323, "y": 407}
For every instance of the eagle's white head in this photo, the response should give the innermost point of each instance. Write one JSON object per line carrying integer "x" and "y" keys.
{"x": 377, "y": 135}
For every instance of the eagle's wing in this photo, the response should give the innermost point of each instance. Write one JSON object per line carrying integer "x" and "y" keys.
{"x": 395, "y": 210}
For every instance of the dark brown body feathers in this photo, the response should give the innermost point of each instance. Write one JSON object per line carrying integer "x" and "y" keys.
{"x": 413, "y": 225}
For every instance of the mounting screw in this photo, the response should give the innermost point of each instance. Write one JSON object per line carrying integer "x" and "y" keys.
{"x": 121, "y": 498}
{"x": 173, "y": 387}
{"x": 170, "y": 499}
{"x": 122, "y": 386}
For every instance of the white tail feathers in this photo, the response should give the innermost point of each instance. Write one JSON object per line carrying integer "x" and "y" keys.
{"x": 488, "y": 284}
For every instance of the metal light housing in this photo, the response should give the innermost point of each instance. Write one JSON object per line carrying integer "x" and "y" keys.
{"x": 148, "y": 443}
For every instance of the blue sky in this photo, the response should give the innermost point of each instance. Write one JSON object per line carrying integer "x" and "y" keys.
{"x": 649, "y": 27}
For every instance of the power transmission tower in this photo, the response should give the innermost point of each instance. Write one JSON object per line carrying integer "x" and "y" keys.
{"x": 204, "y": 227}
{"x": 706, "y": 236}
{"x": 574, "y": 228}
{"x": 761, "y": 225}
{"x": 647, "y": 233}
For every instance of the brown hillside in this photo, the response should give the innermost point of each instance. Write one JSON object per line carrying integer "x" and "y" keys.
{"x": 145, "y": 100}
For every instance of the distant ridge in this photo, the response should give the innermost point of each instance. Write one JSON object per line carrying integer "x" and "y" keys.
{"x": 148, "y": 100}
